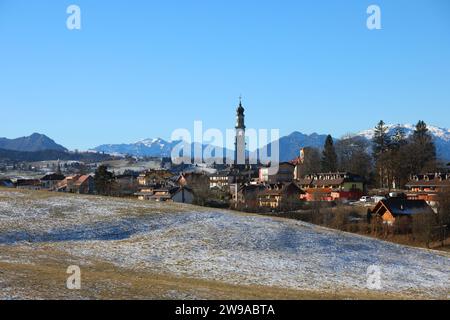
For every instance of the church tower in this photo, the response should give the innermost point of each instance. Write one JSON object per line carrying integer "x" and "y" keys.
{"x": 239, "y": 155}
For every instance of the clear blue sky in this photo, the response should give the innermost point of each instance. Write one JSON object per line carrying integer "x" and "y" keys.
{"x": 141, "y": 69}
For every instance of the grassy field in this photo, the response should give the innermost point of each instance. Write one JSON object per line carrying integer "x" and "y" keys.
{"x": 128, "y": 249}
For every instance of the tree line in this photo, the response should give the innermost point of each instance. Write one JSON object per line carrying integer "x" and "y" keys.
{"x": 385, "y": 162}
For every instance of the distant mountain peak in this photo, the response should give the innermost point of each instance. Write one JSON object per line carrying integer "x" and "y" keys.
{"x": 34, "y": 142}
{"x": 290, "y": 145}
{"x": 436, "y": 132}
{"x": 151, "y": 147}
{"x": 154, "y": 141}
{"x": 441, "y": 137}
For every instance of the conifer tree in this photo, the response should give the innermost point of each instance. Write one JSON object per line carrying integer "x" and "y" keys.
{"x": 329, "y": 157}
{"x": 423, "y": 149}
{"x": 380, "y": 146}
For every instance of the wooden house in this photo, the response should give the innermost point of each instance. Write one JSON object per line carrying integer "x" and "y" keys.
{"x": 82, "y": 184}
{"x": 29, "y": 184}
{"x": 394, "y": 208}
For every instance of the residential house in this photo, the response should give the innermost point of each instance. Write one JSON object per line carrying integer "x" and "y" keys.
{"x": 85, "y": 185}
{"x": 151, "y": 177}
{"x": 284, "y": 174}
{"x": 146, "y": 192}
{"x": 220, "y": 180}
{"x": 247, "y": 195}
{"x": 332, "y": 186}
{"x": 29, "y": 184}
{"x": 82, "y": 184}
{"x": 428, "y": 186}
{"x": 155, "y": 185}
{"x": 194, "y": 180}
{"x": 395, "y": 208}
{"x": 51, "y": 181}
{"x": 279, "y": 195}
{"x": 174, "y": 194}
{"x": 7, "y": 183}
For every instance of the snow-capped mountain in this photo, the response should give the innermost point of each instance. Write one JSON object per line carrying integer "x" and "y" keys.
{"x": 145, "y": 148}
{"x": 436, "y": 132}
{"x": 289, "y": 145}
{"x": 441, "y": 137}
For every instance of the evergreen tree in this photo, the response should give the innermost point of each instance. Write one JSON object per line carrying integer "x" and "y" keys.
{"x": 104, "y": 181}
{"x": 381, "y": 139}
{"x": 380, "y": 146}
{"x": 397, "y": 159}
{"x": 398, "y": 139}
{"x": 329, "y": 157}
{"x": 423, "y": 149}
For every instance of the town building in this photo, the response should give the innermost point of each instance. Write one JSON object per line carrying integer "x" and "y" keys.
{"x": 152, "y": 177}
{"x": 396, "y": 208}
{"x": 29, "y": 184}
{"x": 82, "y": 184}
{"x": 51, "y": 181}
{"x": 194, "y": 180}
{"x": 428, "y": 186}
{"x": 7, "y": 183}
{"x": 280, "y": 196}
{"x": 174, "y": 194}
{"x": 341, "y": 186}
{"x": 220, "y": 180}
{"x": 284, "y": 174}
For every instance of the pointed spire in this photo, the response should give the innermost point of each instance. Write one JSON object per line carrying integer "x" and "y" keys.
{"x": 240, "y": 115}
{"x": 240, "y": 109}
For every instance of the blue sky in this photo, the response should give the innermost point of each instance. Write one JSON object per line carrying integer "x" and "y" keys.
{"x": 141, "y": 69}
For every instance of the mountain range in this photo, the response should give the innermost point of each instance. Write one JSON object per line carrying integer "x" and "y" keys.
{"x": 39, "y": 147}
{"x": 441, "y": 137}
{"x": 145, "y": 148}
{"x": 290, "y": 145}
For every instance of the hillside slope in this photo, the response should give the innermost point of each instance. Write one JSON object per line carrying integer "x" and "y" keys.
{"x": 201, "y": 248}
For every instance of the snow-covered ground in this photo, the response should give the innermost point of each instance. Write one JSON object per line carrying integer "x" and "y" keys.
{"x": 218, "y": 245}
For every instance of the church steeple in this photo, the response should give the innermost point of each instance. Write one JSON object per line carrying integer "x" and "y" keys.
{"x": 240, "y": 156}
{"x": 240, "y": 117}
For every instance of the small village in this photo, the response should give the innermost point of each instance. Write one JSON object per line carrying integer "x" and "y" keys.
{"x": 225, "y": 159}
{"x": 341, "y": 200}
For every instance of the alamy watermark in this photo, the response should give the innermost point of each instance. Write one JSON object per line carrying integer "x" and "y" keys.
{"x": 374, "y": 278}
{"x": 374, "y": 19}
{"x": 73, "y": 21}
{"x": 74, "y": 280}
{"x": 242, "y": 146}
